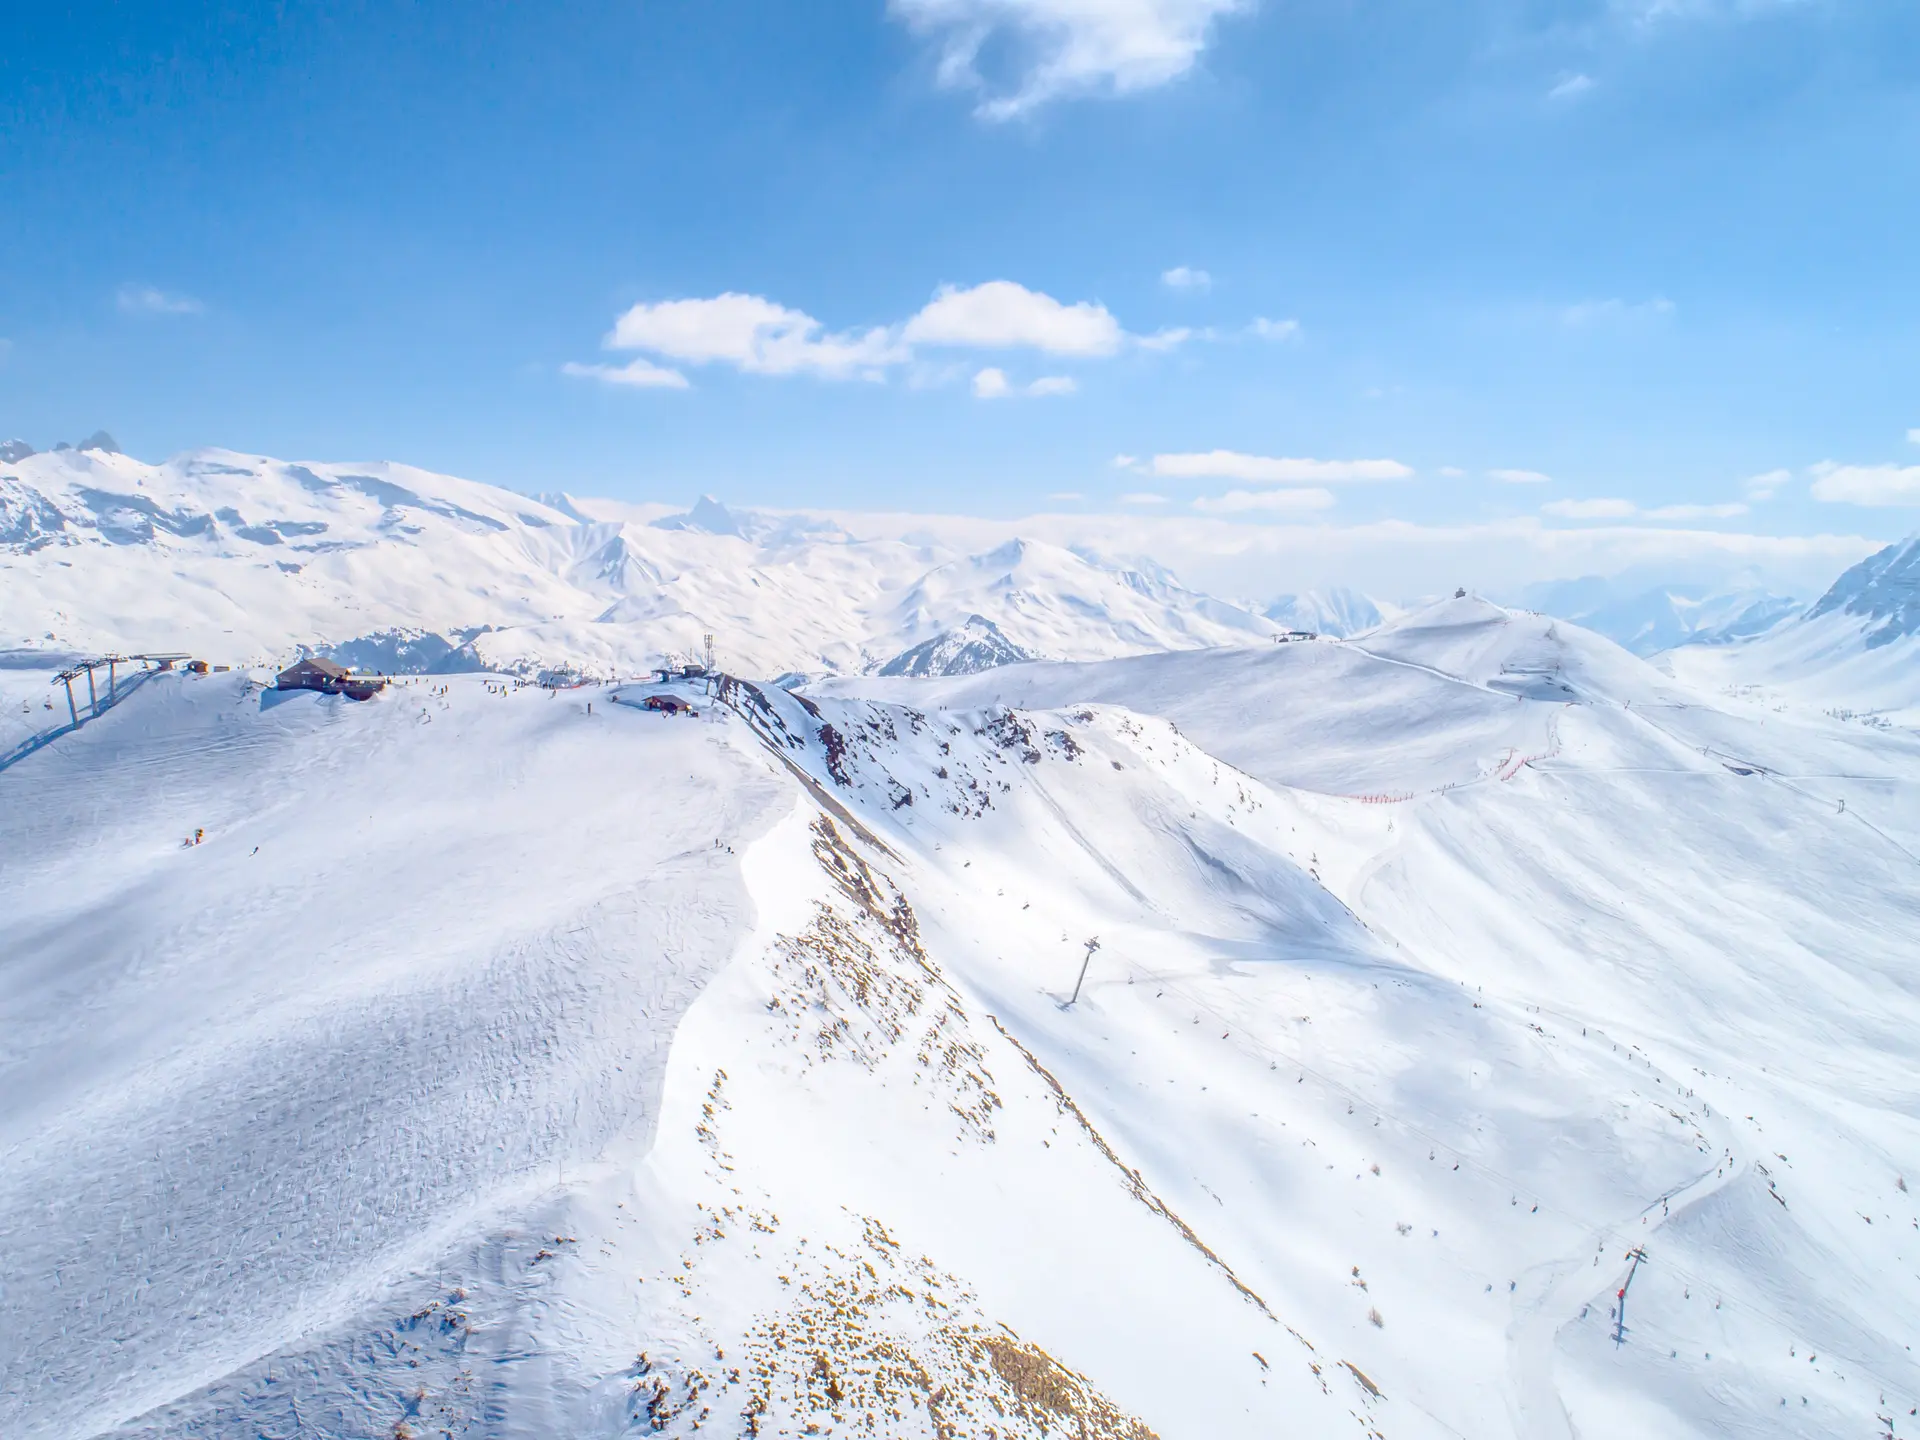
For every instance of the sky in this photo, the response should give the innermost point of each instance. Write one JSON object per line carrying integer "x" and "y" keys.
{"x": 1621, "y": 280}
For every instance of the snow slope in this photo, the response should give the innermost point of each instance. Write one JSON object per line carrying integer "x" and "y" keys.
{"x": 1435, "y": 972}
{"x": 1855, "y": 651}
{"x": 244, "y": 558}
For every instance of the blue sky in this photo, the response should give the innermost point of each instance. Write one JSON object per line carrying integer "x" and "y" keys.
{"x": 959, "y": 255}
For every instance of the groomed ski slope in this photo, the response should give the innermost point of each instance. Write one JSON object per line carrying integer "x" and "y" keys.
{"x": 1362, "y": 1105}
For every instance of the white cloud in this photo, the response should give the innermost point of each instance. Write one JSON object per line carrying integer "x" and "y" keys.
{"x": 1003, "y": 315}
{"x": 1452, "y": 472}
{"x": 1236, "y": 502}
{"x": 147, "y": 300}
{"x": 1066, "y": 495}
{"x": 762, "y": 337}
{"x": 1867, "y": 484}
{"x": 1141, "y": 497}
{"x": 1913, "y": 437}
{"x": 1591, "y": 509}
{"x": 1126, "y": 462}
{"x": 638, "y": 373}
{"x": 1183, "y": 277}
{"x": 1060, "y": 48}
{"x": 751, "y": 332}
{"x": 1267, "y": 329}
{"x": 1570, "y": 87}
{"x": 1725, "y": 510}
{"x": 1167, "y": 339}
{"x": 1766, "y": 486}
{"x": 1275, "y": 470}
{"x": 991, "y": 384}
{"x": 1519, "y": 477}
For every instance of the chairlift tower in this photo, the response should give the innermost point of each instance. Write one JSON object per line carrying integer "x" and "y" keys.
{"x": 1092, "y": 945}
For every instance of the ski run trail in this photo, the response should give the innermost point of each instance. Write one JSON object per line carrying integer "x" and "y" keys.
{"x": 504, "y": 1062}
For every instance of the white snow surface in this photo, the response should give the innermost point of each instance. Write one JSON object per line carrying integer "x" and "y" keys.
{"x": 242, "y": 558}
{"x": 1855, "y": 653}
{"x": 495, "y": 1067}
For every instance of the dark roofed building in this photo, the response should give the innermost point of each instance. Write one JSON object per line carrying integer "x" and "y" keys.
{"x": 313, "y": 673}
{"x": 672, "y": 704}
{"x": 318, "y": 673}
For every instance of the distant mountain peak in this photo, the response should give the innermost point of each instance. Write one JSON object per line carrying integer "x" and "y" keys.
{"x": 974, "y": 645}
{"x": 1335, "y": 611}
{"x": 12, "y": 450}
{"x": 1884, "y": 589}
{"x": 708, "y": 516}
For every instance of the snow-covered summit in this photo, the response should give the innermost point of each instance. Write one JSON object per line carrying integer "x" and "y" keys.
{"x": 1855, "y": 650}
{"x": 247, "y": 558}
{"x": 1883, "y": 590}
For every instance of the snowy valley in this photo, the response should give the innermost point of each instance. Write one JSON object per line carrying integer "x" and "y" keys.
{"x": 489, "y": 1059}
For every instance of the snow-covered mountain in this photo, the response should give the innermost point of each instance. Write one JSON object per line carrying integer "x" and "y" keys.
{"x": 1649, "y": 619}
{"x": 1334, "y": 611}
{"x": 245, "y": 558}
{"x": 1855, "y": 650}
{"x": 496, "y": 1066}
{"x": 974, "y": 646}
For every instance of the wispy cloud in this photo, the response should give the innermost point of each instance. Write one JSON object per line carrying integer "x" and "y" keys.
{"x": 992, "y": 384}
{"x": 1615, "y": 313}
{"x": 1066, "y": 496}
{"x": 1274, "y": 470}
{"x": 1171, "y": 338}
{"x": 1913, "y": 437}
{"x": 1265, "y": 329}
{"x": 1723, "y": 510}
{"x": 1058, "y": 48}
{"x": 636, "y": 374}
{"x": 1591, "y": 509}
{"x": 1142, "y": 497}
{"x": 1185, "y": 277}
{"x": 1519, "y": 477}
{"x": 1452, "y": 472}
{"x": 150, "y": 300}
{"x": 1766, "y": 486}
{"x": 1240, "y": 502}
{"x": 1617, "y": 509}
{"x": 1876, "y": 485}
{"x": 1570, "y": 87}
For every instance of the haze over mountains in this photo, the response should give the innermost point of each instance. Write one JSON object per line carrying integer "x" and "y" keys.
{"x": 392, "y": 568}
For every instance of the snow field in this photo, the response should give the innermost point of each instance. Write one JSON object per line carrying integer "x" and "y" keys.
{"x": 719, "y": 1070}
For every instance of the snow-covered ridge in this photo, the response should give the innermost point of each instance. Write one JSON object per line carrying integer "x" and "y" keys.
{"x": 715, "y": 1072}
{"x": 1855, "y": 651}
{"x": 247, "y": 558}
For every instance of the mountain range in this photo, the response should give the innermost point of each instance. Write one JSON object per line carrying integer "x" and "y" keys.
{"x": 246, "y": 558}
